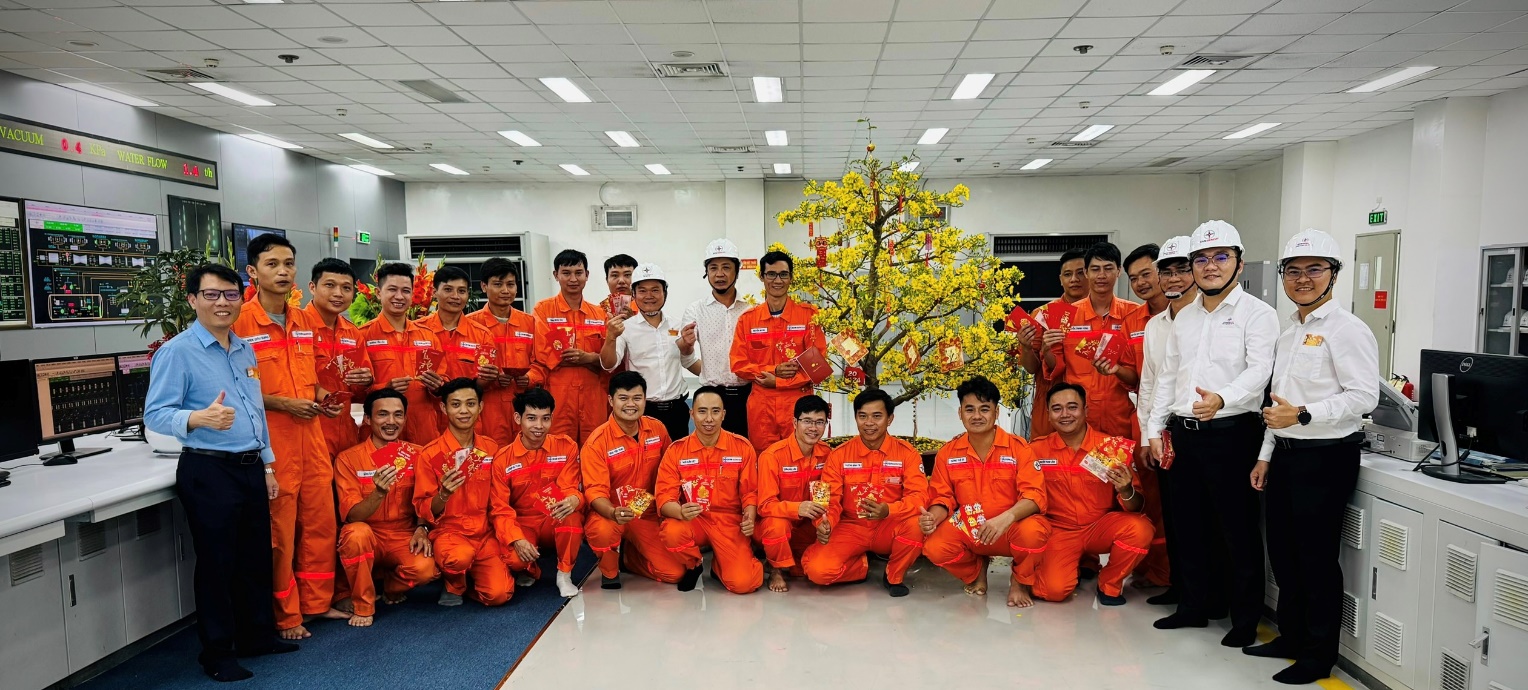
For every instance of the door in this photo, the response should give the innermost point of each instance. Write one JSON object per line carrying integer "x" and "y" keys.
{"x": 1394, "y": 591}
{"x": 90, "y": 569}
{"x": 1356, "y": 577}
{"x": 1374, "y": 258}
{"x": 1501, "y": 620}
{"x": 1455, "y": 575}
{"x": 1499, "y": 301}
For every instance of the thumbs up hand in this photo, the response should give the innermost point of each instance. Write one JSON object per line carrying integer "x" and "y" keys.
{"x": 216, "y": 416}
{"x": 1209, "y": 403}
{"x": 1281, "y": 415}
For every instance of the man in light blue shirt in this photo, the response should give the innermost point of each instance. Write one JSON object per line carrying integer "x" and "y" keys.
{"x": 204, "y": 389}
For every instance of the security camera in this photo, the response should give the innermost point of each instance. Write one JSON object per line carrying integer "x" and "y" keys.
{"x": 288, "y": 58}
{"x": 519, "y": 162}
{"x": 428, "y": 146}
{"x": 341, "y": 112}
{"x": 960, "y": 160}
{"x": 1167, "y": 50}
{"x": 210, "y": 63}
{"x": 1082, "y": 49}
{"x": 1084, "y": 105}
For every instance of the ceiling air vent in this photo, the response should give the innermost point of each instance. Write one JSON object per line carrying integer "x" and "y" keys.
{"x": 1072, "y": 144}
{"x": 690, "y": 70}
{"x": 180, "y": 74}
{"x": 1217, "y": 61}
{"x": 431, "y": 90}
{"x": 747, "y": 148}
{"x": 1166, "y": 162}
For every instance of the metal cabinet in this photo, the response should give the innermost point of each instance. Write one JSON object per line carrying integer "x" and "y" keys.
{"x": 1356, "y": 577}
{"x": 1501, "y": 620}
{"x": 185, "y": 561}
{"x": 90, "y": 570}
{"x": 1503, "y": 314}
{"x": 1455, "y": 577}
{"x": 32, "y": 644}
{"x": 1394, "y": 590}
{"x": 150, "y": 584}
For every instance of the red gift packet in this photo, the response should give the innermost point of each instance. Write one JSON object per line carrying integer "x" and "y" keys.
{"x": 561, "y": 338}
{"x": 858, "y": 491}
{"x": 550, "y": 495}
{"x": 698, "y": 491}
{"x": 1109, "y": 346}
{"x": 337, "y": 399}
{"x": 1168, "y": 454}
{"x": 469, "y": 461}
{"x": 1018, "y": 317}
{"x": 634, "y": 498}
{"x": 815, "y": 365}
{"x": 786, "y": 350}
{"x": 332, "y": 375}
{"x": 1056, "y": 315}
{"x": 968, "y": 519}
{"x": 1112, "y": 452}
{"x": 820, "y": 493}
{"x": 398, "y": 454}
{"x": 428, "y": 360}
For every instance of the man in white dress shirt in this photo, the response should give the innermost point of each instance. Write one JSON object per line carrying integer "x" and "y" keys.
{"x": 1325, "y": 379}
{"x": 709, "y": 323}
{"x": 1209, "y": 393}
{"x": 651, "y": 344}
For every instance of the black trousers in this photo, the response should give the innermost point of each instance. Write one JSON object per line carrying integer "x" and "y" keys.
{"x": 230, "y": 520}
{"x": 1308, "y": 491}
{"x": 735, "y": 400}
{"x": 674, "y": 414}
{"x": 1215, "y": 517}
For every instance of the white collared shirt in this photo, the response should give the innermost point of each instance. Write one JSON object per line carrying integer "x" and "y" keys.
{"x": 714, "y": 326}
{"x": 1329, "y": 364}
{"x": 1153, "y": 353}
{"x": 653, "y": 352}
{"x": 1228, "y": 352}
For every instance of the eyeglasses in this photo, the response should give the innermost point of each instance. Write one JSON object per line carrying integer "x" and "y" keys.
{"x": 1173, "y": 272}
{"x": 1101, "y": 269}
{"x": 812, "y": 422}
{"x": 777, "y": 275}
{"x": 213, "y": 295}
{"x": 1221, "y": 258}
{"x": 1313, "y": 272}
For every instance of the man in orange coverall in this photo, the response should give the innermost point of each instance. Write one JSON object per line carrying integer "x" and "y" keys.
{"x": 1141, "y": 269}
{"x": 1108, "y": 384}
{"x": 989, "y": 470}
{"x": 339, "y": 348}
{"x": 570, "y": 332}
{"x": 405, "y": 357}
{"x": 622, "y": 457}
{"x": 1074, "y": 287}
{"x": 514, "y": 340}
{"x": 302, "y": 516}
{"x": 452, "y": 495}
{"x": 705, "y": 492}
{"x": 535, "y": 494}
{"x": 762, "y": 347}
{"x": 375, "y": 483}
{"x": 1081, "y": 507}
{"x": 877, "y": 490}
{"x": 787, "y": 471}
{"x": 467, "y": 345}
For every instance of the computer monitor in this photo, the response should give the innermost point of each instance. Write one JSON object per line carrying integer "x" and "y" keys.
{"x": 18, "y": 410}
{"x": 132, "y": 386}
{"x": 1473, "y": 402}
{"x": 75, "y": 396}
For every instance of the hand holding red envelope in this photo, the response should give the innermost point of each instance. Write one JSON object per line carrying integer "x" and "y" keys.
{"x": 634, "y": 498}
{"x": 1112, "y": 452}
{"x": 968, "y": 519}
{"x": 698, "y": 491}
{"x": 549, "y": 496}
{"x": 398, "y": 454}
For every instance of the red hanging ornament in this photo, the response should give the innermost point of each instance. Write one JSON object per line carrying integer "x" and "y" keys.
{"x": 810, "y": 229}
{"x": 821, "y": 244}
{"x": 928, "y": 247}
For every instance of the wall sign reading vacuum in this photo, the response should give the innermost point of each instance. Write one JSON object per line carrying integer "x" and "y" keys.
{"x": 33, "y": 139}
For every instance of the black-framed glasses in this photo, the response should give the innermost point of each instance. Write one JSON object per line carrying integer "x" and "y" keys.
{"x": 1173, "y": 272}
{"x": 811, "y": 422}
{"x": 777, "y": 275}
{"x": 1313, "y": 272}
{"x": 1220, "y": 258}
{"x": 213, "y": 295}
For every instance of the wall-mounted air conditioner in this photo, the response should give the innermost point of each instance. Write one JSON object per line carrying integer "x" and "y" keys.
{"x": 615, "y": 218}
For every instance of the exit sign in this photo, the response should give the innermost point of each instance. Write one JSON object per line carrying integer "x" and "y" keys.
{"x": 1377, "y": 218}
{"x": 362, "y": 238}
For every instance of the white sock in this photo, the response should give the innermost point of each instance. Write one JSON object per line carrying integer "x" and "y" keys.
{"x": 565, "y": 585}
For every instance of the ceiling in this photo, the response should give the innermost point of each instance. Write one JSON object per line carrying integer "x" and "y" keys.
{"x": 894, "y": 62}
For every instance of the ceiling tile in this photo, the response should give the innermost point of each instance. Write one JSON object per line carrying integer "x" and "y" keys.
{"x": 503, "y": 35}
{"x": 163, "y": 40}
{"x": 416, "y": 36}
{"x": 1308, "y": 6}
{"x": 286, "y": 16}
{"x": 839, "y": 11}
{"x": 1003, "y": 49}
{"x": 106, "y": 19}
{"x": 349, "y": 37}
{"x": 1283, "y": 24}
{"x": 758, "y": 33}
{"x": 383, "y": 14}
{"x": 483, "y": 13}
{"x": 1112, "y": 27}
{"x": 586, "y": 34}
{"x": 931, "y": 31}
{"x": 1034, "y": 9}
{"x": 1463, "y": 22}
{"x": 1008, "y": 30}
{"x": 237, "y": 39}
{"x": 200, "y": 17}
{"x": 844, "y": 32}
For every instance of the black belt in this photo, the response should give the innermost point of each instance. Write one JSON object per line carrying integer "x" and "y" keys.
{"x": 735, "y": 390}
{"x": 247, "y": 457}
{"x": 1193, "y": 424}
{"x": 1301, "y": 443}
{"x": 665, "y": 404}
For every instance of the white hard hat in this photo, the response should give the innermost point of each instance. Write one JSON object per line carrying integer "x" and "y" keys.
{"x": 722, "y": 249}
{"x": 1215, "y": 233}
{"x": 648, "y": 272}
{"x": 1311, "y": 242}
{"x": 1173, "y": 248}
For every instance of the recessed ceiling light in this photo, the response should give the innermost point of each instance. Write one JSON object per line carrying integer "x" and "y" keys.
{"x": 1092, "y": 133}
{"x": 782, "y": 168}
{"x": 776, "y": 137}
{"x": 263, "y": 2}
{"x": 1392, "y": 79}
{"x": 230, "y": 94}
{"x": 103, "y": 92}
{"x": 519, "y": 137}
{"x": 573, "y": 169}
{"x": 657, "y": 169}
{"x": 373, "y": 170}
{"x": 971, "y": 87}
{"x": 681, "y": 54}
{"x": 1181, "y": 82}
{"x": 273, "y": 141}
{"x": 932, "y": 135}
{"x": 1036, "y": 164}
{"x": 566, "y": 89}
{"x": 364, "y": 140}
{"x": 768, "y": 90}
{"x": 623, "y": 139}
{"x": 83, "y": 44}
{"x": 1254, "y": 129}
{"x": 908, "y": 166}
{"x": 451, "y": 169}
{"x": 333, "y": 40}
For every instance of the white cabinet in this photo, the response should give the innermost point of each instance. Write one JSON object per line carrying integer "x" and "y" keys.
{"x": 1501, "y": 619}
{"x": 150, "y": 586}
{"x": 1456, "y": 596}
{"x": 1356, "y": 575}
{"x": 90, "y": 568}
{"x": 32, "y": 644}
{"x": 185, "y": 561}
{"x": 1395, "y": 587}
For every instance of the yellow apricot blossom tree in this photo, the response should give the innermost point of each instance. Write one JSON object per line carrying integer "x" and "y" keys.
{"x": 884, "y": 266}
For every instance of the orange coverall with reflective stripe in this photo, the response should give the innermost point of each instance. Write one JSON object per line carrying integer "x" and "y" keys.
{"x": 785, "y": 479}
{"x": 1109, "y": 406}
{"x": 609, "y": 460}
{"x": 897, "y": 469}
{"x": 382, "y": 540}
{"x": 998, "y": 481}
{"x": 515, "y": 343}
{"x": 396, "y": 354}
{"x": 730, "y": 466}
{"x": 518, "y": 475}
{"x": 757, "y": 346}
{"x": 1154, "y": 566}
{"x": 580, "y": 391}
{"x": 1086, "y": 516}
{"x": 463, "y": 534}
{"x": 343, "y": 340}
{"x": 1039, "y": 417}
{"x": 303, "y": 529}
{"x": 466, "y": 346}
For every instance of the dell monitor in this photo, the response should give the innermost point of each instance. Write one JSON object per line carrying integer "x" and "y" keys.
{"x": 18, "y": 410}
{"x": 1473, "y": 402}
{"x": 75, "y": 396}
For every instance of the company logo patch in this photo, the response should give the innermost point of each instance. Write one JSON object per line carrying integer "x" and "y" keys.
{"x": 304, "y": 335}
{"x": 514, "y": 468}
{"x": 650, "y": 442}
{"x": 1046, "y": 462}
{"x": 556, "y": 319}
{"x": 423, "y": 343}
{"x": 523, "y": 335}
{"x": 789, "y": 469}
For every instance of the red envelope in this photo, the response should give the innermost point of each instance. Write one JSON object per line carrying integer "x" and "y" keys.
{"x": 398, "y": 454}
{"x": 428, "y": 360}
{"x": 337, "y": 398}
{"x": 857, "y": 491}
{"x": 550, "y": 495}
{"x": 332, "y": 374}
{"x": 786, "y": 350}
{"x": 1111, "y": 346}
{"x": 562, "y": 338}
{"x": 815, "y": 365}
{"x": 1018, "y": 317}
{"x": 952, "y": 355}
{"x": 1168, "y": 454}
{"x": 1112, "y": 452}
{"x": 698, "y": 490}
{"x": 968, "y": 519}
{"x": 1056, "y": 315}
{"x": 634, "y": 498}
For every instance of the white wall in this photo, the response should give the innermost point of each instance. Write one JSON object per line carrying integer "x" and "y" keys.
{"x": 1255, "y": 212}
{"x": 1373, "y": 170}
{"x": 1504, "y": 205}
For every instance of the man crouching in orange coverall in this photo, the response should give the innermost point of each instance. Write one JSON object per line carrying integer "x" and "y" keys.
{"x": 535, "y": 494}
{"x": 877, "y": 491}
{"x": 452, "y": 494}
{"x": 788, "y": 509}
{"x": 992, "y": 473}
{"x": 706, "y": 493}
{"x": 1081, "y": 508}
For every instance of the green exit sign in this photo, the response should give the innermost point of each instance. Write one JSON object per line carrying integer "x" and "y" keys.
{"x": 1377, "y": 218}
{"x": 365, "y": 237}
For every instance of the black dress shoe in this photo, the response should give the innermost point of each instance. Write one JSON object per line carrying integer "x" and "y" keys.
{"x": 690, "y": 577}
{"x": 1108, "y": 600}
{"x": 1303, "y": 673}
{"x": 896, "y": 590}
{"x": 1180, "y": 620}
{"x": 226, "y": 670}
{"x": 1239, "y": 637}
{"x": 1085, "y": 574}
{"x": 1278, "y": 648}
{"x": 1168, "y": 598}
{"x": 610, "y": 582}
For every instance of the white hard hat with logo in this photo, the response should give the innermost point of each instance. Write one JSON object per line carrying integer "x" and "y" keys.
{"x": 1215, "y": 233}
{"x": 1311, "y": 242}
{"x": 1174, "y": 248}
{"x": 722, "y": 249}
{"x": 648, "y": 272}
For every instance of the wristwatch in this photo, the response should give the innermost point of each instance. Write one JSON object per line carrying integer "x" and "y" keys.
{"x": 269, "y": 470}
{"x": 1304, "y": 416}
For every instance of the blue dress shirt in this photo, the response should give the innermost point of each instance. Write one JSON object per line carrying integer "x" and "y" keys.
{"x": 188, "y": 373}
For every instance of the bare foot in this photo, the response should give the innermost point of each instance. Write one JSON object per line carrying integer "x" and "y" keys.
{"x": 777, "y": 581}
{"x": 345, "y": 605}
{"x": 1019, "y": 596}
{"x": 360, "y": 621}
{"x": 395, "y": 598}
{"x": 979, "y": 587}
{"x": 335, "y": 615}
{"x": 295, "y": 633}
